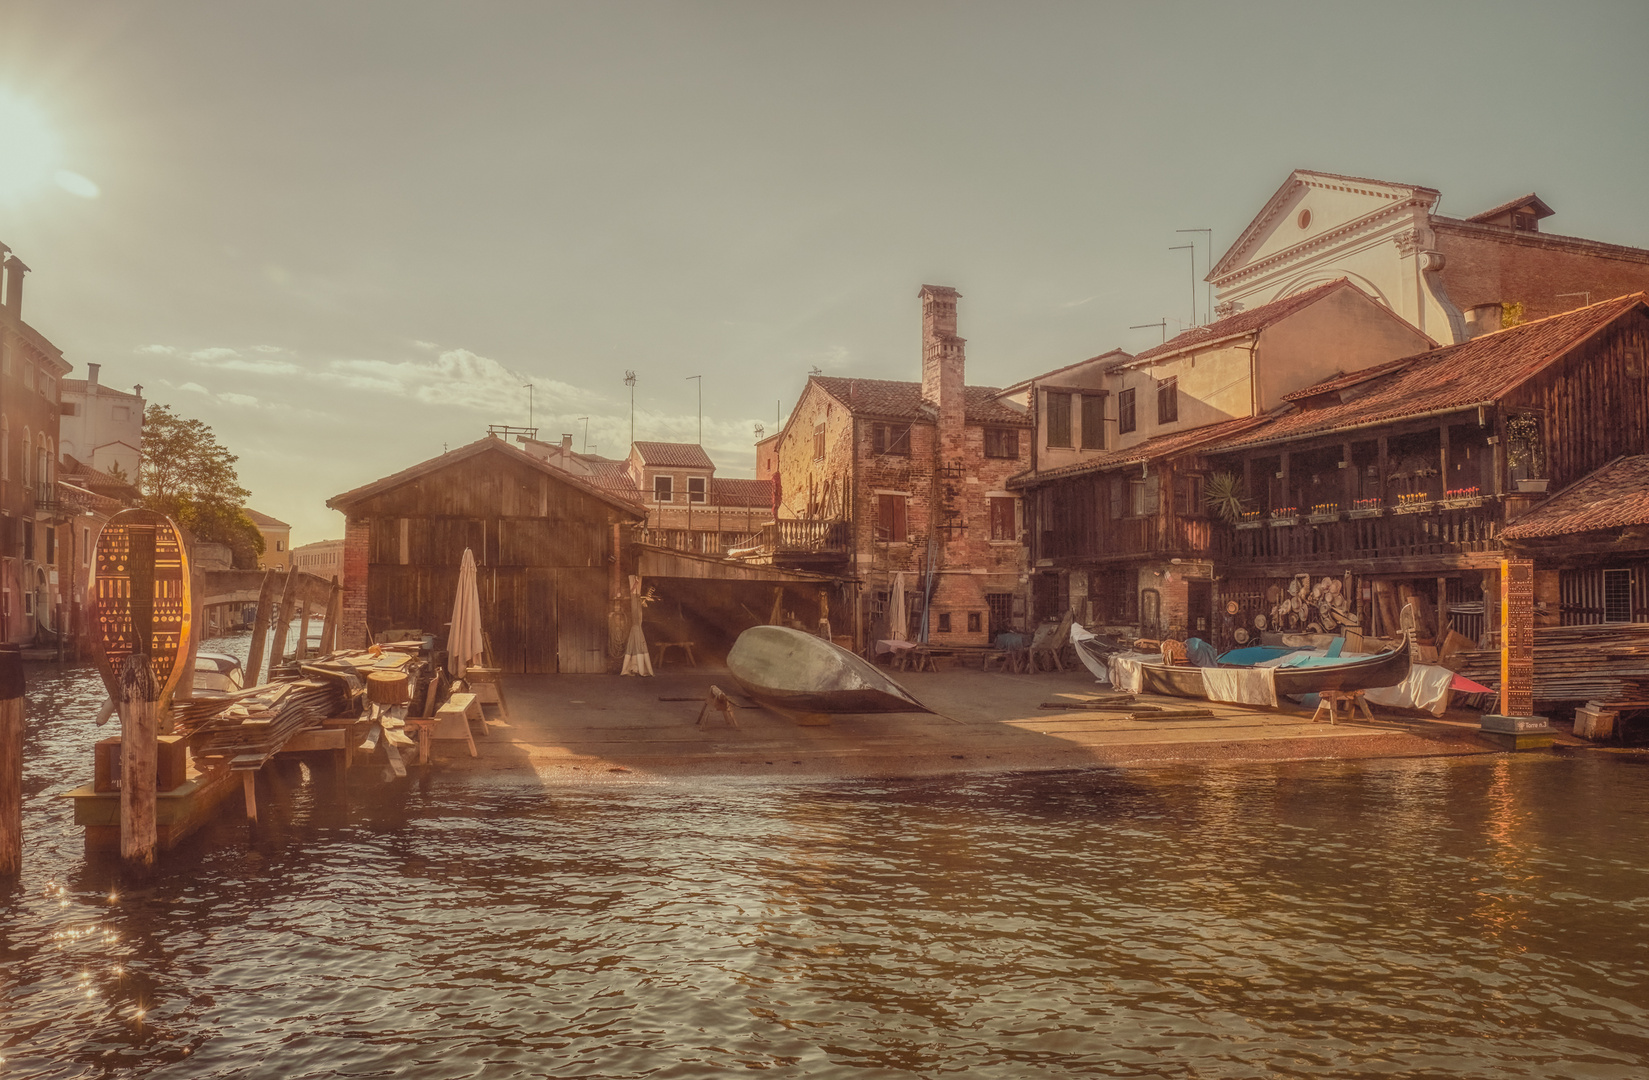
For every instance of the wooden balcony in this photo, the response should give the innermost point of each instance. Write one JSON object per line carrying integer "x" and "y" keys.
{"x": 1126, "y": 538}
{"x": 699, "y": 541}
{"x": 1436, "y": 531}
{"x": 801, "y": 545}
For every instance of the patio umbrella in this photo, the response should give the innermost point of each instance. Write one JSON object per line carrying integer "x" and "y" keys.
{"x": 464, "y": 644}
{"x": 636, "y": 660}
{"x": 896, "y": 614}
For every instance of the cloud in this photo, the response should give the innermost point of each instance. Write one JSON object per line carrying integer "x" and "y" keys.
{"x": 238, "y": 399}
{"x": 214, "y": 353}
{"x": 157, "y": 350}
{"x": 195, "y": 388}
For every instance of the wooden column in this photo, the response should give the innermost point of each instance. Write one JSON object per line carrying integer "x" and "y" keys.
{"x": 283, "y": 620}
{"x": 1248, "y": 476}
{"x": 1385, "y": 468}
{"x": 302, "y": 651}
{"x": 260, "y": 628}
{"x": 1497, "y": 483}
{"x": 139, "y": 749}
{"x": 1443, "y": 457}
{"x": 1348, "y": 475}
{"x": 329, "y": 622}
{"x": 11, "y": 760}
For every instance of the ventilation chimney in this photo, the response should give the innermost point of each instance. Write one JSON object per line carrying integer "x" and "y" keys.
{"x": 1484, "y": 319}
{"x": 566, "y": 442}
{"x": 91, "y": 377}
{"x": 942, "y": 362}
{"x": 14, "y": 285}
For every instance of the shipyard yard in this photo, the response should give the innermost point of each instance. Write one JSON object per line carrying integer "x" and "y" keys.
{"x": 564, "y": 727}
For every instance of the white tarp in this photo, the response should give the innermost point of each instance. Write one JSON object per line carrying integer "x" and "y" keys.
{"x": 896, "y": 612}
{"x": 465, "y": 646}
{"x": 1093, "y": 663}
{"x": 1241, "y": 686}
{"x": 1427, "y": 687}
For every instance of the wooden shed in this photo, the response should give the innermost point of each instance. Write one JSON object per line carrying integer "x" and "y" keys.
{"x": 548, "y": 546}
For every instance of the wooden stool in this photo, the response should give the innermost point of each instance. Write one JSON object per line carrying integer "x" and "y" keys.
{"x": 488, "y": 689}
{"x": 718, "y": 701}
{"x": 1332, "y": 702}
{"x": 663, "y": 648}
{"x": 451, "y": 721}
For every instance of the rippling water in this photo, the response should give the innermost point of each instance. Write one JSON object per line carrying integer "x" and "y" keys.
{"x": 1478, "y": 917}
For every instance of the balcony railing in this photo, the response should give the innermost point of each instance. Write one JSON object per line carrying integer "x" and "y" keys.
{"x": 45, "y": 498}
{"x": 806, "y": 537}
{"x": 699, "y": 541}
{"x": 1125, "y": 537}
{"x": 1413, "y": 529}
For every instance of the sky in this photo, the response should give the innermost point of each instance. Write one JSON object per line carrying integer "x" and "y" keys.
{"x": 348, "y": 235}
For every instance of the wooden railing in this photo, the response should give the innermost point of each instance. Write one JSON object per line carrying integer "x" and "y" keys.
{"x": 805, "y": 539}
{"x": 1432, "y": 531}
{"x": 701, "y": 541}
{"x": 1133, "y": 536}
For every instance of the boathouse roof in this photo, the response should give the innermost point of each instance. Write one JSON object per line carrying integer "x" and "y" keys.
{"x": 1613, "y": 497}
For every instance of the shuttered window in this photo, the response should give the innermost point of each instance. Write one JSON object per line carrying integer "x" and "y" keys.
{"x": 1002, "y": 527}
{"x": 890, "y": 519}
{"x": 1093, "y": 421}
{"x": 1125, "y": 411}
{"x": 1001, "y": 443}
{"x": 890, "y": 439}
{"x": 1168, "y": 401}
{"x": 1059, "y": 418}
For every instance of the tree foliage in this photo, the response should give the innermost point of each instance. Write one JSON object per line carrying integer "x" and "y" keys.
{"x": 190, "y": 477}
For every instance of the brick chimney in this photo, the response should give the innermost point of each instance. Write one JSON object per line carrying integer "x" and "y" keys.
{"x": 91, "y": 377}
{"x": 942, "y": 362}
{"x": 14, "y": 284}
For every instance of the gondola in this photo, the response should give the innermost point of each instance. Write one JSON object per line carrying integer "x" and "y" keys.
{"x": 807, "y": 677}
{"x": 1382, "y": 669}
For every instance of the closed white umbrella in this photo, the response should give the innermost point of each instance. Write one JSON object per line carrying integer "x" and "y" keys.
{"x": 898, "y": 612}
{"x": 464, "y": 644}
{"x": 636, "y": 660}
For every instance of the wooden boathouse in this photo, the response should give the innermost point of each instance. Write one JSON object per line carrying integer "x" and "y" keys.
{"x": 548, "y": 547}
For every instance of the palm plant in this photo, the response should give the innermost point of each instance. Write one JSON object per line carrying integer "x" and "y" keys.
{"x": 1225, "y": 495}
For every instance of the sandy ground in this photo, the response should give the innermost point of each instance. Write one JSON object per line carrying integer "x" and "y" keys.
{"x": 587, "y": 727}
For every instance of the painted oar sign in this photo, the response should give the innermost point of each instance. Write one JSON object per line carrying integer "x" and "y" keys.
{"x": 143, "y": 602}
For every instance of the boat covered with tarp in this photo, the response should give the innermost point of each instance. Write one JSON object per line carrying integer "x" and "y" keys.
{"x": 793, "y": 671}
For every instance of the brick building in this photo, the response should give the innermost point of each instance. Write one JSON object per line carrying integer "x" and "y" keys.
{"x": 31, "y": 372}
{"x": 879, "y": 477}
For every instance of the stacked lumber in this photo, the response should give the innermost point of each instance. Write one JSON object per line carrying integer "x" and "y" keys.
{"x": 1608, "y": 662}
{"x": 253, "y": 728}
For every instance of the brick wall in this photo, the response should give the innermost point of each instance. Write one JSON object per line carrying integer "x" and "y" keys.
{"x": 1485, "y": 266}
{"x": 357, "y": 546}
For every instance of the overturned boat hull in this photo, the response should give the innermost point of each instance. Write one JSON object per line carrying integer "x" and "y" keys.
{"x": 794, "y": 672}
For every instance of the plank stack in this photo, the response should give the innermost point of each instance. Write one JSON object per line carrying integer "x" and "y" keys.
{"x": 1607, "y": 663}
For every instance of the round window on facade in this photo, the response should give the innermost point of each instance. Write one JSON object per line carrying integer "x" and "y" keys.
{"x": 1304, "y": 219}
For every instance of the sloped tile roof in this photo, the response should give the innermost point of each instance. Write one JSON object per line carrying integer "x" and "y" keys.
{"x": 674, "y": 455}
{"x": 1610, "y": 498}
{"x": 900, "y": 400}
{"x": 1243, "y": 322}
{"x": 1153, "y": 449}
{"x": 72, "y": 386}
{"x": 1112, "y": 359}
{"x": 264, "y": 520}
{"x": 733, "y": 491}
{"x": 1541, "y": 209}
{"x": 1476, "y": 372}
{"x": 88, "y": 500}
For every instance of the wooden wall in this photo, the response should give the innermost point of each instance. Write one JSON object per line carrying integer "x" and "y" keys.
{"x": 542, "y": 550}
{"x": 1595, "y": 402}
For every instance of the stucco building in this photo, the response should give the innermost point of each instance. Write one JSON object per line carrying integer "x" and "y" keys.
{"x": 1450, "y": 277}
{"x": 101, "y": 426}
{"x": 323, "y": 558}
{"x": 277, "y": 541}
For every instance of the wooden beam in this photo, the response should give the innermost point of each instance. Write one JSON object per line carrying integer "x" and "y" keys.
{"x": 11, "y": 760}
{"x": 260, "y": 628}
{"x": 1385, "y": 468}
{"x": 139, "y": 750}
{"x": 283, "y": 621}
{"x": 1443, "y": 469}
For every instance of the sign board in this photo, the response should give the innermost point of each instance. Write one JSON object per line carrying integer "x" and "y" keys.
{"x": 1516, "y": 637}
{"x": 143, "y": 603}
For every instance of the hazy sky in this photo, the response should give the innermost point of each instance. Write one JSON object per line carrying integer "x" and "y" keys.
{"x": 345, "y": 234}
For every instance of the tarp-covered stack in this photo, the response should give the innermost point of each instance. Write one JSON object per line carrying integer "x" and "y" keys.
{"x": 1606, "y": 663}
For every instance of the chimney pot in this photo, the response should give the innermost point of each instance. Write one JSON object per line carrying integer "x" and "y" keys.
{"x": 566, "y": 442}
{"x": 91, "y": 376}
{"x": 14, "y": 284}
{"x": 1484, "y": 319}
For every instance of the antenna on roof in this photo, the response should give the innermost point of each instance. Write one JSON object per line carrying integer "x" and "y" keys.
{"x": 1147, "y": 326}
{"x": 1210, "y": 235}
{"x": 700, "y": 378}
{"x": 1192, "y": 248}
{"x": 761, "y": 432}
{"x": 586, "y": 420}
{"x": 630, "y": 381}
{"x": 815, "y": 370}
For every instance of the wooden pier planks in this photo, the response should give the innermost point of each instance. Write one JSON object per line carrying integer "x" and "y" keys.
{"x": 1607, "y": 663}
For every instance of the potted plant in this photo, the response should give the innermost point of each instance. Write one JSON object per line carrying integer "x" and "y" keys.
{"x": 1285, "y": 515}
{"x": 1414, "y": 502}
{"x": 1324, "y": 512}
{"x": 1224, "y": 495}
{"x": 1366, "y": 508}
{"x": 1526, "y": 453}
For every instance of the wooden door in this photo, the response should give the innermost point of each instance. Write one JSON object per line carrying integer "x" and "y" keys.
{"x": 581, "y": 620}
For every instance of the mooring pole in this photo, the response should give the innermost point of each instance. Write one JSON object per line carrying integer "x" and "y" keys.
{"x": 11, "y": 760}
{"x": 139, "y": 750}
{"x": 283, "y": 620}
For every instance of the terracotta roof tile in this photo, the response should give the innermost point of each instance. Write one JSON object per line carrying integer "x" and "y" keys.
{"x": 1476, "y": 372}
{"x": 1610, "y": 498}
{"x": 899, "y": 400}
{"x": 732, "y": 491}
{"x": 1541, "y": 209}
{"x": 674, "y": 455}
{"x": 264, "y": 519}
{"x": 1112, "y": 359}
{"x": 1153, "y": 449}
{"x": 1243, "y": 322}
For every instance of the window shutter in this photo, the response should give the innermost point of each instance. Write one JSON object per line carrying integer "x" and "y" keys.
{"x": 1093, "y": 422}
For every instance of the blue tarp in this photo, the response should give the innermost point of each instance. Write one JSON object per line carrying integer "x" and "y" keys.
{"x": 1254, "y": 654}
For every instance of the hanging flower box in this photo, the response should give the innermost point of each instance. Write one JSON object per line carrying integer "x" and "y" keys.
{"x": 1279, "y": 522}
{"x": 1461, "y": 498}
{"x": 1324, "y": 512}
{"x": 1366, "y": 508}
{"x": 1414, "y": 506}
{"x": 1247, "y": 523}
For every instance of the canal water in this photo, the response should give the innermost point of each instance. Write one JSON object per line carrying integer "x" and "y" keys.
{"x": 1480, "y": 917}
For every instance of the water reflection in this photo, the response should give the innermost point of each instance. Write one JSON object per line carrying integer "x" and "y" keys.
{"x": 1417, "y": 917}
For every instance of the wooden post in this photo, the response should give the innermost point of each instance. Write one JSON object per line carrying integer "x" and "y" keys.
{"x": 1385, "y": 468}
{"x": 329, "y": 622}
{"x": 283, "y": 620}
{"x": 139, "y": 748}
{"x": 260, "y": 628}
{"x": 11, "y": 760}
{"x": 1443, "y": 458}
{"x": 1348, "y": 478}
{"x": 302, "y": 651}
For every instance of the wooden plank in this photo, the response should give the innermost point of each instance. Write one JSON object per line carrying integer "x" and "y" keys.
{"x": 260, "y": 628}
{"x": 11, "y": 760}
{"x": 283, "y": 621}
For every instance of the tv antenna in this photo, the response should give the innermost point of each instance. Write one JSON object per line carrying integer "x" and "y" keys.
{"x": 1209, "y": 233}
{"x": 586, "y": 420}
{"x": 700, "y": 379}
{"x": 630, "y": 381}
{"x": 1192, "y": 248}
{"x": 1147, "y": 326}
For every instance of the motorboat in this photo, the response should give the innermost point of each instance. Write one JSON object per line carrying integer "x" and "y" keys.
{"x": 801, "y": 675}
{"x": 217, "y": 674}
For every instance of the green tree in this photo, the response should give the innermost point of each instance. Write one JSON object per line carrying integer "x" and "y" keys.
{"x": 190, "y": 477}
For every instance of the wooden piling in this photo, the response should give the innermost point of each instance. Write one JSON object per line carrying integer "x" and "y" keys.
{"x": 334, "y": 612}
{"x": 11, "y": 760}
{"x": 260, "y": 628}
{"x": 139, "y": 750}
{"x": 283, "y": 621}
{"x": 302, "y": 650}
